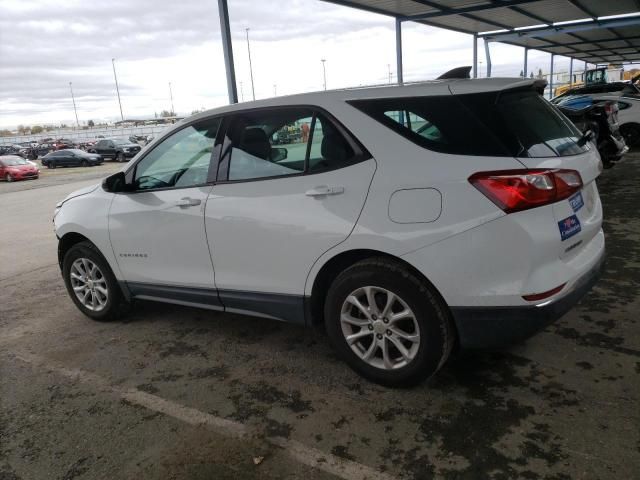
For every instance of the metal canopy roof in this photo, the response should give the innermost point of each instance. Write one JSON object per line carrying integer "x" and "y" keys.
{"x": 572, "y": 28}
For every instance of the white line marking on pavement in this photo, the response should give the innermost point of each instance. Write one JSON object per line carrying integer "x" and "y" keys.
{"x": 312, "y": 457}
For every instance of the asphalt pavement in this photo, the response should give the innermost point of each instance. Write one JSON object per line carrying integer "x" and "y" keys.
{"x": 178, "y": 393}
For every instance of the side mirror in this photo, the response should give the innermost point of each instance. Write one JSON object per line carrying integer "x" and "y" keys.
{"x": 115, "y": 183}
{"x": 278, "y": 154}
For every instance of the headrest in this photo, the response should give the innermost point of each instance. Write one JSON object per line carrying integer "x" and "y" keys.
{"x": 256, "y": 143}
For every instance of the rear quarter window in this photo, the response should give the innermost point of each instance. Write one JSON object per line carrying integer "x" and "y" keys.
{"x": 517, "y": 123}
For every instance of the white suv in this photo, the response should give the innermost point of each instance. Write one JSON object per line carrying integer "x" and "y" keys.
{"x": 407, "y": 219}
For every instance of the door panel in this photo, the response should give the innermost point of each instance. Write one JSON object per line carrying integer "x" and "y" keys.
{"x": 157, "y": 231}
{"x": 265, "y": 235}
{"x": 158, "y": 237}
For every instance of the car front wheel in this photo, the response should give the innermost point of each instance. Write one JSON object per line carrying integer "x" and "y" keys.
{"x": 388, "y": 324}
{"x": 120, "y": 157}
{"x": 91, "y": 283}
{"x": 8, "y": 178}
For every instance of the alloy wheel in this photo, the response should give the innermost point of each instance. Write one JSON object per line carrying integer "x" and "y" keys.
{"x": 380, "y": 327}
{"x": 89, "y": 284}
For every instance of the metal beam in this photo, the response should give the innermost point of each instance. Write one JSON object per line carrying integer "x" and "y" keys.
{"x": 603, "y": 40}
{"x": 551, "y": 77}
{"x": 579, "y": 6}
{"x": 223, "y": 12}
{"x": 488, "y": 55}
{"x": 571, "y": 71}
{"x": 400, "y": 73}
{"x": 431, "y": 4}
{"x": 541, "y": 32}
{"x": 445, "y": 11}
{"x": 475, "y": 56}
{"x": 526, "y": 58}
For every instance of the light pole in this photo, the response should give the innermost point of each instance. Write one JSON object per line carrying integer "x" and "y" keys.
{"x": 113, "y": 62}
{"x": 253, "y": 91}
{"x": 241, "y": 92}
{"x": 275, "y": 91}
{"x": 324, "y": 72}
{"x": 173, "y": 111}
{"x": 389, "y": 68}
{"x": 74, "y": 104}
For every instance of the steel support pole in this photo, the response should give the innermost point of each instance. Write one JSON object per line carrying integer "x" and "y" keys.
{"x": 223, "y": 13}
{"x": 551, "y": 77}
{"x": 488, "y": 55}
{"x": 571, "y": 71}
{"x": 475, "y": 55}
{"x": 526, "y": 61}
{"x": 399, "y": 51}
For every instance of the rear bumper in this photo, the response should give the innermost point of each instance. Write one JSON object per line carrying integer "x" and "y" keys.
{"x": 493, "y": 327}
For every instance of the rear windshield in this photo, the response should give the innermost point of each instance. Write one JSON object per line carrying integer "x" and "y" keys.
{"x": 515, "y": 123}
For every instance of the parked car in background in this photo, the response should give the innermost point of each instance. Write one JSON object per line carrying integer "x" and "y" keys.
{"x": 62, "y": 143}
{"x": 628, "y": 117}
{"x": 598, "y": 121}
{"x": 115, "y": 149}
{"x": 621, "y": 89}
{"x": 410, "y": 219}
{"x": 71, "y": 158}
{"x": 13, "y": 167}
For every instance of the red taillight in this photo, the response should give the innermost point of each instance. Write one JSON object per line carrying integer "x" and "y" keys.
{"x": 540, "y": 296}
{"x": 516, "y": 190}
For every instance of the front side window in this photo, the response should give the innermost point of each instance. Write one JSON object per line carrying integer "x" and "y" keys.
{"x": 181, "y": 160}
{"x": 282, "y": 142}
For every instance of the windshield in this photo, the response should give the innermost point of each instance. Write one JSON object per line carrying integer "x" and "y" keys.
{"x": 121, "y": 142}
{"x": 14, "y": 161}
{"x": 77, "y": 151}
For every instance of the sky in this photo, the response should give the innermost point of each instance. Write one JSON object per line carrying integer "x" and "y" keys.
{"x": 45, "y": 44}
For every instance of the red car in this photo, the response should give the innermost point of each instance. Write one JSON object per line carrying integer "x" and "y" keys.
{"x": 13, "y": 168}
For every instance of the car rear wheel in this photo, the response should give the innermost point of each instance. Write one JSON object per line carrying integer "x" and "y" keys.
{"x": 8, "y": 177}
{"x": 84, "y": 163}
{"x": 51, "y": 165}
{"x": 631, "y": 134}
{"x": 91, "y": 283}
{"x": 388, "y": 324}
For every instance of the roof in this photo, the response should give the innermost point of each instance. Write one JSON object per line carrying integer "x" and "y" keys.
{"x": 573, "y": 28}
{"x": 323, "y": 98}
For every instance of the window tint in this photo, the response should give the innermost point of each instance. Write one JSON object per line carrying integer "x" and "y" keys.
{"x": 269, "y": 144}
{"x": 285, "y": 142}
{"x": 513, "y": 123}
{"x": 329, "y": 149}
{"x": 182, "y": 160}
{"x": 623, "y": 105}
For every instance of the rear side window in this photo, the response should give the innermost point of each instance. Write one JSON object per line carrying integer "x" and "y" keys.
{"x": 516, "y": 123}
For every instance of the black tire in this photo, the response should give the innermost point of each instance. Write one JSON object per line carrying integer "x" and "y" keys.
{"x": 120, "y": 157}
{"x": 116, "y": 305}
{"x": 437, "y": 335}
{"x": 51, "y": 164}
{"x": 631, "y": 134}
{"x": 8, "y": 178}
{"x": 84, "y": 163}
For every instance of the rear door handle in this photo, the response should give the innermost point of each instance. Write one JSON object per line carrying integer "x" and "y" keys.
{"x": 188, "y": 202}
{"x": 324, "y": 190}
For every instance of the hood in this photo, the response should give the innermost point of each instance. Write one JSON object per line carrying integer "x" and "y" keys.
{"x": 28, "y": 166}
{"x": 129, "y": 145}
{"x": 78, "y": 193}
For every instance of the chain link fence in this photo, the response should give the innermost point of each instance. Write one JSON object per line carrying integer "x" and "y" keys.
{"x": 89, "y": 134}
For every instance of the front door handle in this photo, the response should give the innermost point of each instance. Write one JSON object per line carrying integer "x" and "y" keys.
{"x": 324, "y": 190}
{"x": 188, "y": 202}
